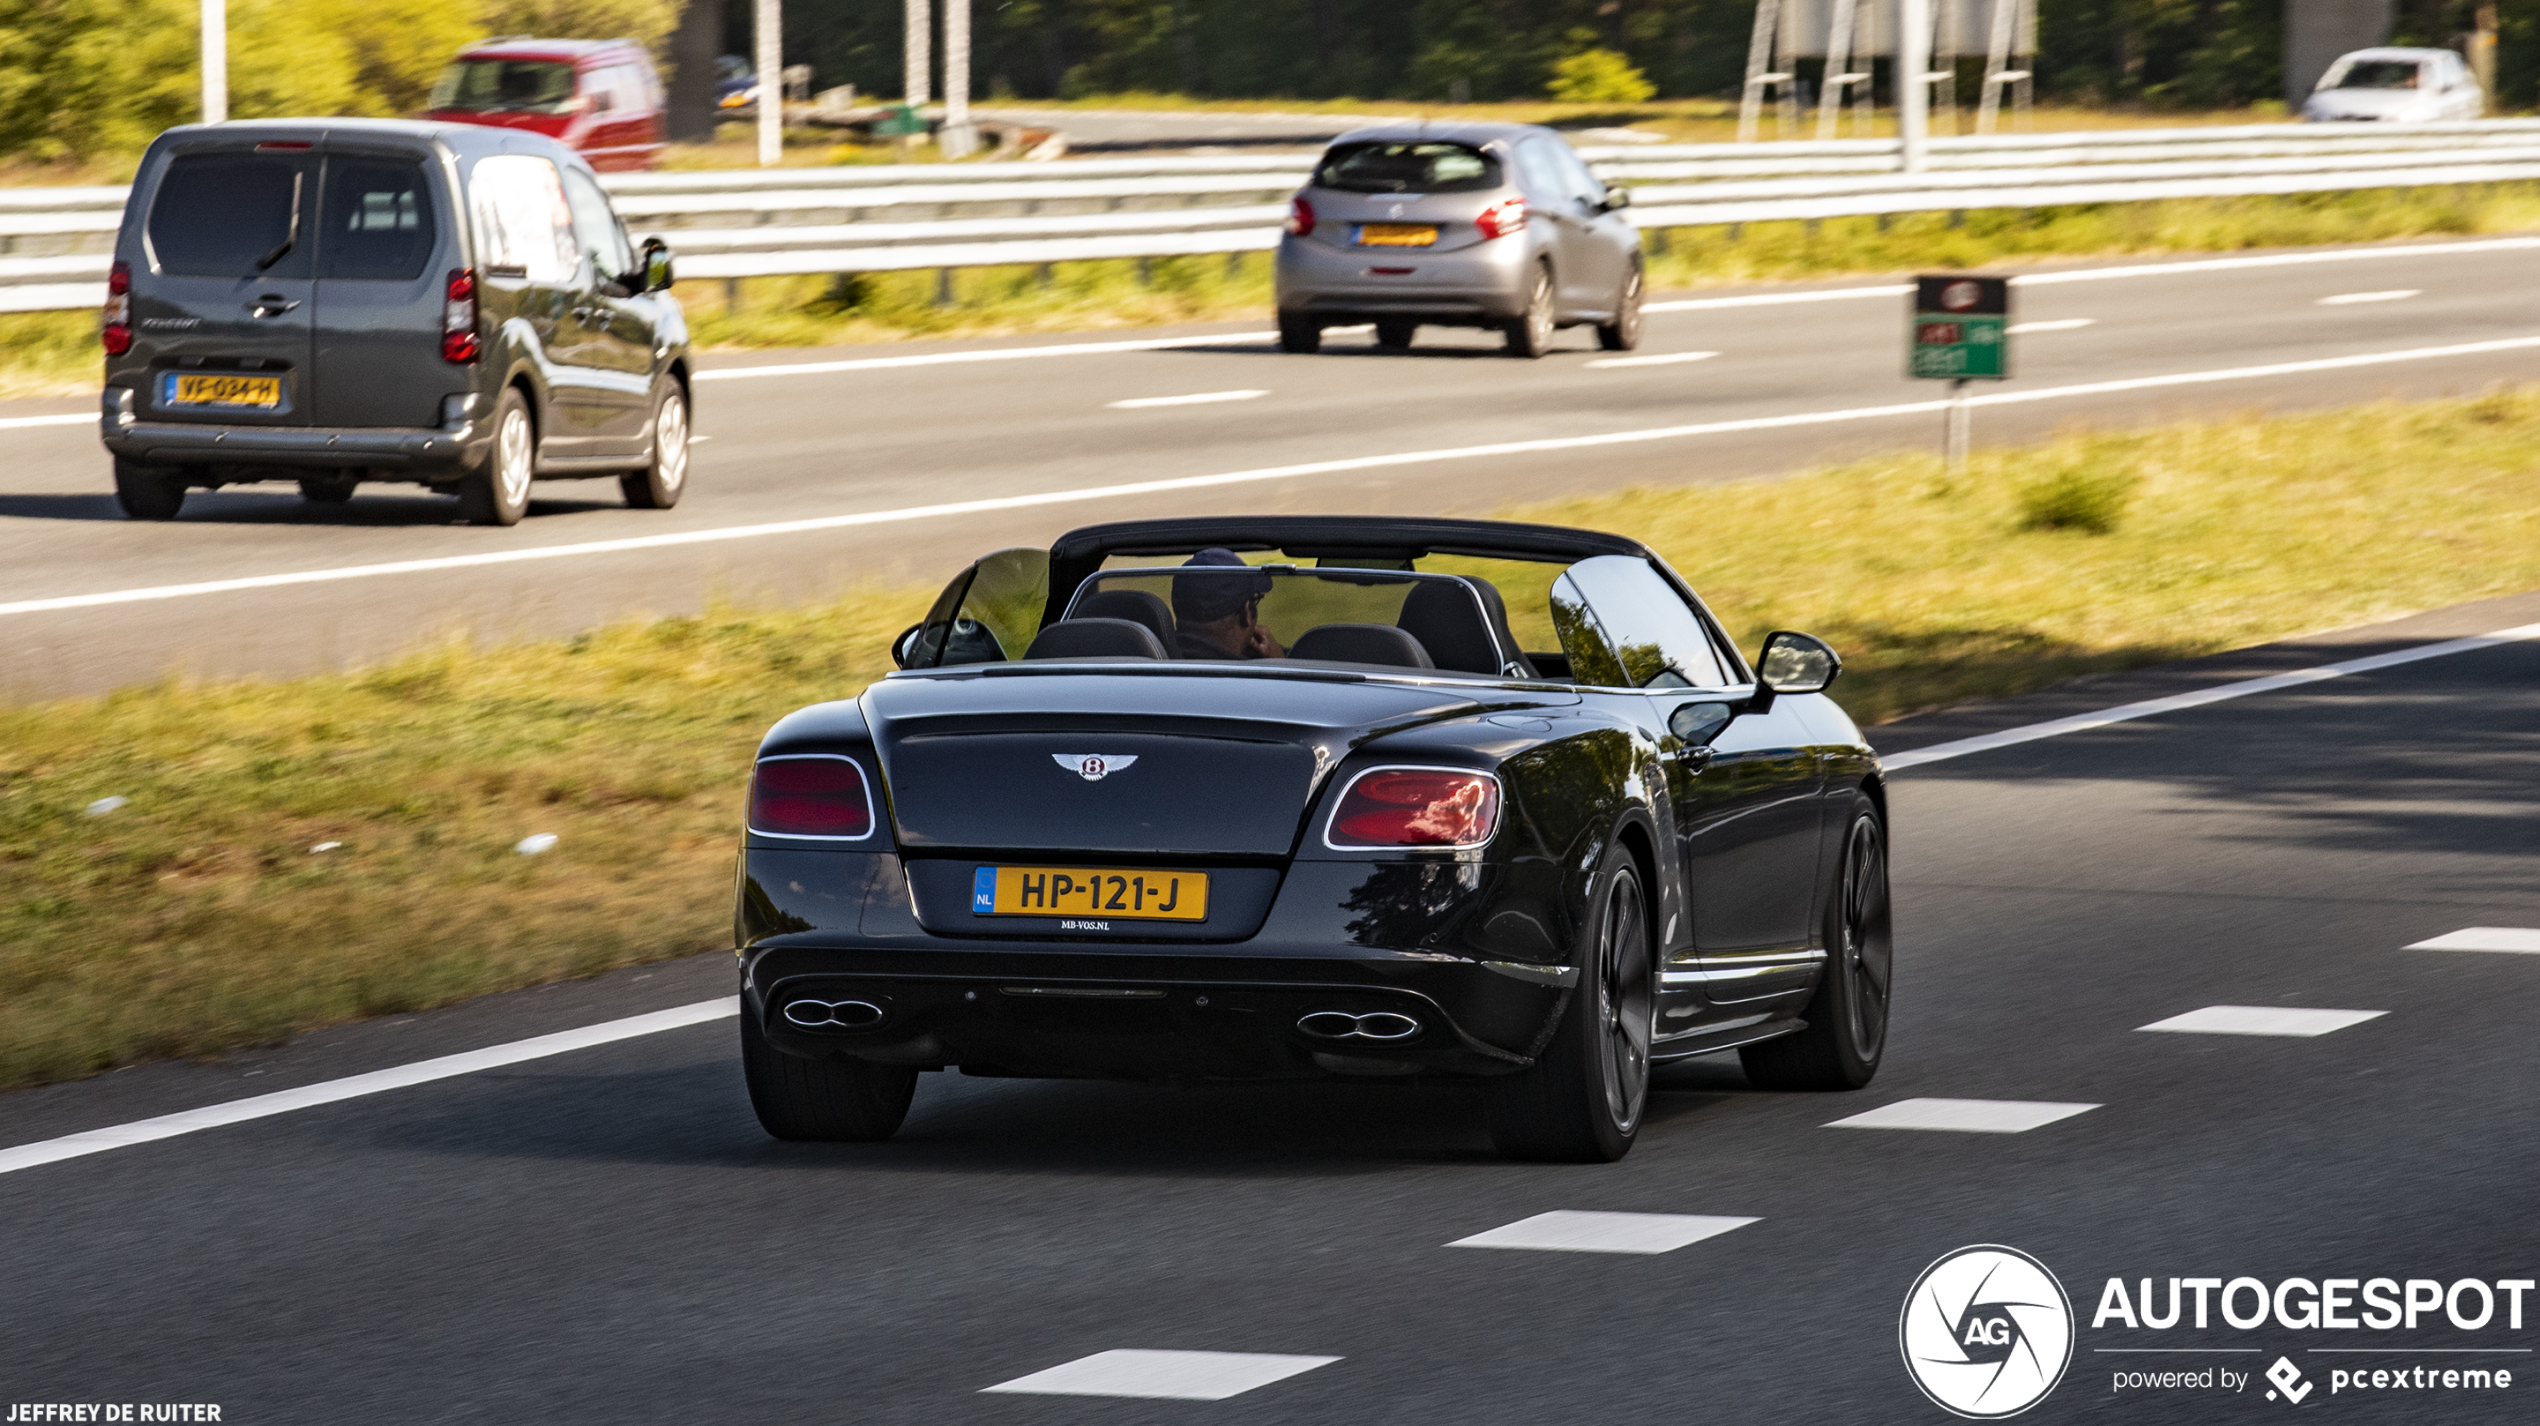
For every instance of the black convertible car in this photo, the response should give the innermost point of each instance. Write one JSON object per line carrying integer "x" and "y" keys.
{"x": 1316, "y": 796}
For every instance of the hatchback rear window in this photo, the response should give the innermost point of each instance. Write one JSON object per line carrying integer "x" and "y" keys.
{"x": 229, "y": 215}
{"x": 378, "y": 220}
{"x": 525, "y": 86}
{"x": 1407, "y": 168}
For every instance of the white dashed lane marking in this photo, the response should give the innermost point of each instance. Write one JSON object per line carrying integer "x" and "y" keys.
{"x": 2347, "y": 299}
{"x": 1964, "y": 1116}
{"x": 1203, "y": 398}
{"x": 2061, "y": 324}
{"x": 1569, "y": 1231}
{"x": 1654, "y": 359}
{"x": 2511, "y": 939}
{"x": 1175, "y": 1376}
{"x": 2262, "y": 1020}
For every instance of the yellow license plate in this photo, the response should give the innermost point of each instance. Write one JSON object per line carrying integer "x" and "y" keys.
{"x": 227, "y": 391}
{"x": 1090, "y": 893}
{"x": 1397, "y": 235}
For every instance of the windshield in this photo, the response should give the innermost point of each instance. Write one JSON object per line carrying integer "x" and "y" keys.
{"x": 527, "y": 86}
{"x": 2380, "y": 74}
{"x": 1407, "y": 168}
{"x": 1384, "y": 617}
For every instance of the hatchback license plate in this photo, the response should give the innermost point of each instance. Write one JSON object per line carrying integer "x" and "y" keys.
{"x": 254, "y": 391}
{"x": 1397, "y": 235}
{"x": 1090, "y": 892}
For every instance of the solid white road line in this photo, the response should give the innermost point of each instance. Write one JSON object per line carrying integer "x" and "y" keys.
{"x": 1658, "y": 359}
{"x": 1964, "y": 1116}
{"x": 238, "y": 1111}
{"x": 1204, "y": 398}
{"x": 2510, "y": 939}
{"x": 2128, "y": 712}
{"x": 822, "y": 368}
{"x": 1246, "y": 477}
{"x": 1170, "y": 1376}
{"x": 80, "y": 418}
{"x": 2065, "y": 324}
{"x": 2261, "y": 1020}
{"x": 2348, "y": 299}
{"x": 1568, "y": 1231}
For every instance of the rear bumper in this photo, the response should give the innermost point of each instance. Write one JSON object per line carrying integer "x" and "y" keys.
{"x": 424, "y": 452}
{"x": 1483, "y": 283}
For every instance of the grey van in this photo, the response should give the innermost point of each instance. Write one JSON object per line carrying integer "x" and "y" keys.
{"x": 341, "y": 300}
{"x": 1498, "y": 226}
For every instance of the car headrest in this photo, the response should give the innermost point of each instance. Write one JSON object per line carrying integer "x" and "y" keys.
{"x": 1360, "y": 643}
{"x": 1454, "y": 623}
{"x": 1096, "y": 639}
{"x": 1132, "y": 604}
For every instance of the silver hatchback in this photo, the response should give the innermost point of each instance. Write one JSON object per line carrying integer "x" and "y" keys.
{"x": 1498, "y": 226}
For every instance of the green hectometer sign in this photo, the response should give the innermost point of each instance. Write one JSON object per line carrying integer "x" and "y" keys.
{"x": 1960, "y": 328}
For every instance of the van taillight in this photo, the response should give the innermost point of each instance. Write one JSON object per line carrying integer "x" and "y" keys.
{"x": 1502, "y": 218}
{"x": 817, "y": 795}
{"x": 116, "y": 331}
{"x": 1416, "y": 807}
{"x": 459, "y": 344}
{"x": 1300, "y": 217}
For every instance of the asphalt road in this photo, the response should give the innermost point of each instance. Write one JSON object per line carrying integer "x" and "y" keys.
{"x": 1014, "y": 444}
{"x": 605, "y": 1235}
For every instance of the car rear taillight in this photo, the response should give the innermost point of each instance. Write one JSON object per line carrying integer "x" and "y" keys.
{"x": 116, "y": 328}
{"x": 1300, "y": 217}
{"x": 459, "y": 344}
{"x": 1416, "y": 807}
{"x": 811, "y": 795}
{"x": 1506, "y": 216}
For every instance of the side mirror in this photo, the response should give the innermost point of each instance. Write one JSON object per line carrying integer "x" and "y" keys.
{"x": 656, "y": 272}
{"x": 907, "y": 640}
{"x": 1615, "y": 198}
{"x": 1696, "y": 724}
{"x": 1797, "y": 663}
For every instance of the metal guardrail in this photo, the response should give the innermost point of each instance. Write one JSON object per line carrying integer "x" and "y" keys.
{"x": 770, "y": 222}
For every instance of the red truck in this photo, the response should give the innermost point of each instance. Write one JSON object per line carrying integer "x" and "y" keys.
{"x": 600, "y": 98}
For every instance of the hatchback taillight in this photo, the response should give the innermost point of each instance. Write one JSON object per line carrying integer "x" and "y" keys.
{"x": 1416, "y": 807}
{"x": 116, "y": 320}
{"x": 1506, "y": 216}
{"x": 1300, "y": 217}
{"x": 459, "y": 344}
{"x": 813, "y": 795}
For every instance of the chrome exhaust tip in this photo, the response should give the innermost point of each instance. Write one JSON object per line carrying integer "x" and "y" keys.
{"x": 833, "y": 1014}
{"x": 1382, "y": 1026}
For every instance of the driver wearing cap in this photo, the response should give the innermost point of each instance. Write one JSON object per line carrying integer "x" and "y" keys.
{"x": 1218, "y": 616}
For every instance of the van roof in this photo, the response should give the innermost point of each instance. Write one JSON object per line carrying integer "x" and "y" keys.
{"x": 525, "y": 47}
{"x": 471, "y": 140}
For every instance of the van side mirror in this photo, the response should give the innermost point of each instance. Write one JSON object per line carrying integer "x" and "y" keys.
{"x": 657, "y": 274}
{"x": 1615, "y": 198}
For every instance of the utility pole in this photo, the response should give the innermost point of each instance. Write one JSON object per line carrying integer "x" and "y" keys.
{"x": 1913, "y": 89}
{"x": 917, "y": 37}
{"x": 767, "y": 29}
{"x": 215, "y": 61}
{"x": 957, "y": 139}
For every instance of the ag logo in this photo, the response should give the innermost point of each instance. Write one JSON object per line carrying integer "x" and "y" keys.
{"x": 1987, "y": 1331}
{"x": 1093, "y": 767}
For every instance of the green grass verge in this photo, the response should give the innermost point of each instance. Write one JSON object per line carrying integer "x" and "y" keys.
{"x": 197, "y": 917}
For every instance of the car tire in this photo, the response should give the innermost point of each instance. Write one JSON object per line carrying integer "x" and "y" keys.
{"x": 1847, "y": 1017}
{"x": 822, "y": 1101}
{"x": 1299, "y": 335}
{"x": 328, "y": 489}
{"x": 1530, "y": 332}
{"x": 1623, "y": 333}
{"x": 148, "y": 492}
{"x": 1396, "y": 336}
{"x": 497, "y": 493}
{"x": 1583, "y": 1098}
{"x": 658, "y": 485}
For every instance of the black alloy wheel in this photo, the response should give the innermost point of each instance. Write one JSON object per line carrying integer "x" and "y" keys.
{"x": 147, "y": 492}
{"x": 1847, "y": 1018}
{"x": 658, "y": 485}
{"x": 1530, "y": 335}
{"x": 331, "y": 489}
{"x": 1623, "y": 333}
{"x": 823, "y": 1101}
{"x": 1583, "y": 1098}
{"x": 1299, "y": 334}
{"x": 1395, "y": 335}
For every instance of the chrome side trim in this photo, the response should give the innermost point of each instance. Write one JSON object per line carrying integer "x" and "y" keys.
{"x": 1562, "y": 976}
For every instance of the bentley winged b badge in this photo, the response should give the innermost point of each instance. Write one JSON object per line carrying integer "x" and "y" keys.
{"x": 1093, "y": 767}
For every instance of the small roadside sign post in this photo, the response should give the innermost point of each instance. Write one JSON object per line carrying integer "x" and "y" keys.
{"x": 1959, "y": 332}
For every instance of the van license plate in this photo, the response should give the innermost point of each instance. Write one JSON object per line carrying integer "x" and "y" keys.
{"x": 1090, "y": 893}
{"x": 184, "y": 389}
{"x": 1397, "y": 235}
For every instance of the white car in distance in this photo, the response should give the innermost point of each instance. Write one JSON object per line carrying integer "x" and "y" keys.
{"x": 2399, "y": 86}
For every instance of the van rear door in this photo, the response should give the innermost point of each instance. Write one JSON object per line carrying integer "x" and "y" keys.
{"x": 224, "y": 311}
{"x": 379, "y": 295}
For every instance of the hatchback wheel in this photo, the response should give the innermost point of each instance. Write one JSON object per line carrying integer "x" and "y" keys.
{"x": 1299, "y": 334}
{"x": 1623, "y": 333}
{"x": 1530, "y": 335}
{"x": 657, "y": 485}
{"x": 1582, "y": 1099}
{"x": 1396, "y": 336}
{"x": 147, "y": 492}
{"x": 498, "y": 493}
{"x": 1847, "y": 1018}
